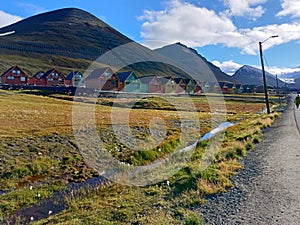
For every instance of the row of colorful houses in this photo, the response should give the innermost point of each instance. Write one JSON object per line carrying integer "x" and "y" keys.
{"x": 106, "y": 80}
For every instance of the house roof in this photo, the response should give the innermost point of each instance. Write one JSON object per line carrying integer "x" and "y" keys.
{"x": 146, "y": 79}
{"x": 10, "y": 68}
{"x": 124, "y": 75}
{"x": 98, "y": 72}
{"x": 165, "y": 80}
{"x": 177, "y": 80}
{"x": 39, "y": 74}
{"x": 72, "y": 74}
{"x": 7, "y": 71}
{"x": 49, "y": 72}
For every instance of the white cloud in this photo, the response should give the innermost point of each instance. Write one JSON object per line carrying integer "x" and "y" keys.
{"x": 187, "y": 23}
{"x": 290, "y": 7}
{"x": 249, "y": 8}
{"x": 282, "y": 70}
{"x": 197, "y": 27}
{"x": 7, "y": 19}
{"x": 228, "y": 67}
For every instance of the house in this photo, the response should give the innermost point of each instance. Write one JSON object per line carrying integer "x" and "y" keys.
{"x": 221, "y": 87}
{"x": 75, "y": 78}
{"x": 217, "y": 87}
{"x": 199, "y": 87}
{"x": 151, "y": 84}
{"x": 14, "y": 76}
{"x": 37, "y": 80}
{"x": 207, "y": 87}
{"x": 190, "y": 86}
{"x": 53, "y": 78}
{"x": 181, "y": 85}
{"x": 239, "y": 88}
{"x": 169, "y": 84}
{"x": 102, "y": 79}
{"x": 129, "y": 82}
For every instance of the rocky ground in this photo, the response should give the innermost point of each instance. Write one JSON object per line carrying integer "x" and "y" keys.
{"x": 267, "y": 190}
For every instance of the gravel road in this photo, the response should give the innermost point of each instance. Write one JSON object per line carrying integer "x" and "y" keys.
{"x": 267, "y": 190}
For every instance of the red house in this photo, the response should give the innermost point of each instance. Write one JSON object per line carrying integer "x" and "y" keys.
{"x": 151, "y": 84}
{"x": 181, "y": 85}
{"x": 14, "y": 76}
{"x": 36, "y": 79}
{"x": 53, "y": 78}
{"x": 103, "y": 79}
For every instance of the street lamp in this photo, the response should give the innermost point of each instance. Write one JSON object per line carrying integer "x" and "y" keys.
{"x": 263, "y": 72}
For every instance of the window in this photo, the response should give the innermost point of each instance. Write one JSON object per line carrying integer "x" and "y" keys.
{"x": 23, "y": 79}
{"x": 50, "y": 79}
{"x": 107, "y": 74}
{"x": 10, "y": 77}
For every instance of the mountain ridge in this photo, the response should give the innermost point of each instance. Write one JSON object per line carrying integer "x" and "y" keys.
{"x": 250, "y": 75}
{"x": 72, "y": 39}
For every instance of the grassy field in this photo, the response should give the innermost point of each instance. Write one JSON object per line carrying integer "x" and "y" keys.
{"x": 39, "y": 156}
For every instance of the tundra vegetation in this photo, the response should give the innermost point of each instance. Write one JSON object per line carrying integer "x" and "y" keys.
{"x": 39, "y": 157}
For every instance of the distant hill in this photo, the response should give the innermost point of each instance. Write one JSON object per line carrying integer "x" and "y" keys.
{"x": 293, "y": 78}
{"x": 249, "y": 75}
{"x": 189, "y": 57}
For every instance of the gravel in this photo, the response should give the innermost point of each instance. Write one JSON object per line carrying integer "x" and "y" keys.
{"x": 267, "y": 190}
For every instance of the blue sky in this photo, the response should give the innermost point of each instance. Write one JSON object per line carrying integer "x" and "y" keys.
{"x": 226, "y": 32}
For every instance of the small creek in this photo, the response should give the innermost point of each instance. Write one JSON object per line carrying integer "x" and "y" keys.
{"x": 58, "y": 201}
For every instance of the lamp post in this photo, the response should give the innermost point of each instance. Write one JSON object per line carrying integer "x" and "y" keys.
{"x": 263, "y": 72}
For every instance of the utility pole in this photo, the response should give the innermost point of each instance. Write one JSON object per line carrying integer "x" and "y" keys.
{"x": 263, "y": 72}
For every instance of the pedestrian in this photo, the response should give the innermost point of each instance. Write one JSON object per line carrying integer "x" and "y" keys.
{"x": 297, "y": 101}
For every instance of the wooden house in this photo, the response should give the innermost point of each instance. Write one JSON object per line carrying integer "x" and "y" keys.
{"x": 102, "y": 79}
{"x": 181, "y": 85}
{"x": 129, "y": 82}
{"x": 207, "y": 87}
{"x": 190, "y": 86}
{"x": 217, "y": 87}
{"x": 151, "y": 84}
{"x": 169, "y": 84}
{"x": 198, "y": 87}
{"x": 14, "y": 76}
{"x": 239, "y": 88}
{"x": 36, "y": 79}
{"x": 221, "y": 87}
{"x": 53, "y": 78}
{"x": 75, "y": 78}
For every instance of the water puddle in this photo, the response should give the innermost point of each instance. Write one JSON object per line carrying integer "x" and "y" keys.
{"x": 213, "y": 132}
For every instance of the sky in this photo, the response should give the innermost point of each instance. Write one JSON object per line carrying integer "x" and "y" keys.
{"x": 225, "y": 32}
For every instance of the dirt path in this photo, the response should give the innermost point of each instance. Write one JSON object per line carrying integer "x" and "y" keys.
{"x": 267, "y": 190}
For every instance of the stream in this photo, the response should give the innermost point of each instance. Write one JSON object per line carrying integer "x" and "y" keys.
{"x": 58, "y": 202}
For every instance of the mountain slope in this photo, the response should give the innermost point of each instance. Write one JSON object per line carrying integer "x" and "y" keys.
{"x": 66, "y": 32}
{"x": 71, "y": 39}
{"x": 249, "y": 75}
{"x": 189, "y": 57}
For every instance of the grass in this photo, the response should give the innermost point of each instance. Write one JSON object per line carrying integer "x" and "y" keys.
{"x": 37, "y": 148}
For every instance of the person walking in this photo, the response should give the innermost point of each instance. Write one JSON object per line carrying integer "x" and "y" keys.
{"x": 297, "y": 101}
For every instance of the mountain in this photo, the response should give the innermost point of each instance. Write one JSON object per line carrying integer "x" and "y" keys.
{"x": 291, "y": 77}
{"x": 65, "y": 38}
{"x": 249, "y": 75}
{"x": 195, "y": 63}
{"x": 66, "y": 32}
{"x": 72, "y": 39}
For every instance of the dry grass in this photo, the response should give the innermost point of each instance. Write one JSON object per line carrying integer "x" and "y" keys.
{"x": 36, "y": 118}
